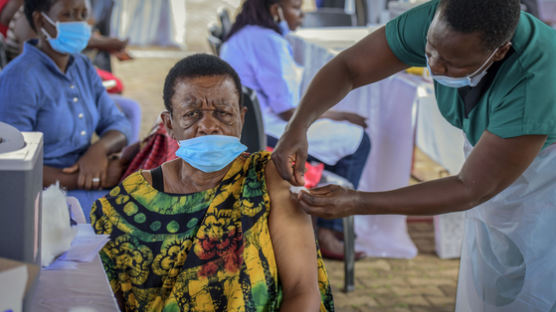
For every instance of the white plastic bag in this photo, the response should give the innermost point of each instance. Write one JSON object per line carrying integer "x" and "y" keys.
{"x": 57, "y": 233}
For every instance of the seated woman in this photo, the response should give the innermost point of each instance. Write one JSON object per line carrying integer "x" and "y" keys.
{"x": 215, "y": 229}
{"x": 53, "y": 89}
{"x": 257, "y": 49}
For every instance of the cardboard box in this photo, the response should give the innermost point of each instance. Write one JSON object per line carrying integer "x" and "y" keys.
{"x": 16, "y": 284}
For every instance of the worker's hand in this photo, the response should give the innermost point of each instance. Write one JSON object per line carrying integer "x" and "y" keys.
{"x": 290, "y": 155}
{"x": 329, "y": 202}
{"x": 92, "y": 168}
{"x": 353, "y": 118}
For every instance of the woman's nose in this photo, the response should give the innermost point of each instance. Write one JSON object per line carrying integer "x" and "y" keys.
{"x": 208, "y": 124}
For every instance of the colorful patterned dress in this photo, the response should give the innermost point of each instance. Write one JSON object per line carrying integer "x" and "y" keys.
{"x": 205, "y": 251}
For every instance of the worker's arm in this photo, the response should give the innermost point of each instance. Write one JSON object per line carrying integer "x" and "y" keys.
{"x": 493, "y": 165}
{"x": 370, "y": 60}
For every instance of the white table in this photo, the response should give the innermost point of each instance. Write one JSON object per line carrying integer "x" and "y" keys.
{"x": 401, "y": 112}
{"x": 84, "y": 289}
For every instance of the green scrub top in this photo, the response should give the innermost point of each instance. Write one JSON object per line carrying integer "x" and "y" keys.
{"x": 521, "y": 99}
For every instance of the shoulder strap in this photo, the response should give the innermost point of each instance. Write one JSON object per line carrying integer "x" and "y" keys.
{"x": 158, "y": 179}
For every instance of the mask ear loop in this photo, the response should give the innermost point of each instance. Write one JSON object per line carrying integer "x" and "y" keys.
{"x": 48, "y": 36}
{"x": 480, "y": 69}
{"x": 280, "y": 14}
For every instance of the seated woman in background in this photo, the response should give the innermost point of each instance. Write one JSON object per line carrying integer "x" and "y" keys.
{"x": 53, "y": 89}
{"x": 257, "y": 50}
{"x": 20, "y": 31}
{"x": 215, "y": 229}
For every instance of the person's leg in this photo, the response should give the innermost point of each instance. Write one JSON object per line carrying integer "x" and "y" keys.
{"x": 351, "y": 166}
{"x": 132, "y": 111}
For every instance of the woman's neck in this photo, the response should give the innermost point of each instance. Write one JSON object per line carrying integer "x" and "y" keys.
{"x": 187, "y": 179}
{"x": 60, "y": 59}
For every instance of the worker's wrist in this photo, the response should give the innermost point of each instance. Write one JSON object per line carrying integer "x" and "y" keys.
{"x": 359, "y": 203}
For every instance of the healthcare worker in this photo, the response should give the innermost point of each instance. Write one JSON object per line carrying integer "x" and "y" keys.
{"x": 494, "y": 71}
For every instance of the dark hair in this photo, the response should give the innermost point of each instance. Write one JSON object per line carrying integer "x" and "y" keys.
{"x": 31, "y": 6}
{"x": 496, "y": 20}
{"x": 198, "y": 65}
{"x": 255, "y": 12}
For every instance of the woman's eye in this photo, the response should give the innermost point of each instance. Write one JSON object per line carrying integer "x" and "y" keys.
{"x": 193, "y": 114}
{"x": 223, "y": 113}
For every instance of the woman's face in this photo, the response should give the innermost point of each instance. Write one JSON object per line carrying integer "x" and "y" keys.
{"x": 62, "y": 11}
{"x": 292, "y": 13}
{"x": 206, "y": 105}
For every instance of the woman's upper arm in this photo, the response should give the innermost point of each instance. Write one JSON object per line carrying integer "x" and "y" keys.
{"x": 495, "y": 163}
{"x": 293, "y": 240}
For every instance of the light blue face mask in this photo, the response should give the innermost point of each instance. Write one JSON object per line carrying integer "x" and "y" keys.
{"x": 471, "y": 80}
{"x": 283, "y": 24}
{"x": 72, "y": 36}
{"x": 210, "y": 153}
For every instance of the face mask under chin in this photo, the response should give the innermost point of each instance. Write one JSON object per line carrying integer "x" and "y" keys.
{"x": 470, "y": 80}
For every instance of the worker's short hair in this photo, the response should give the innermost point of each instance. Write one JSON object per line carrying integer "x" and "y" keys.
{"x": 496, "y": 20}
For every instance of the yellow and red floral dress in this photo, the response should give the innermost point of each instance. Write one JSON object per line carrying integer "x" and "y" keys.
{"x": 205, "y": 251}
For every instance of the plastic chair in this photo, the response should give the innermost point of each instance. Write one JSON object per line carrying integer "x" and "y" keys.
{"x": 252, "y": 134}
{"x": 328, "y": 17}
{"x": 349, "y": 232}
{"x": 225, "y": 22}
{"x": 215, "y": 38}
{"x": 75, "y": 210}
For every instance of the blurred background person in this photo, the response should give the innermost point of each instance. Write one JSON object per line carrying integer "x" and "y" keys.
{"x": 52, "y": 88}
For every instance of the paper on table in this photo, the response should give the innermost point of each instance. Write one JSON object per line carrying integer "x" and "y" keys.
{"x": 11, "y": 297}
{"x": 59, "y": 265}
{"x": 86, "y": 245}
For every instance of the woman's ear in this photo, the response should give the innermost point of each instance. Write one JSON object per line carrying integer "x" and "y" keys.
{"x": 274, "y": 12}
{"x": 38, "y": 22}
{"x": 167, "y": 121}
{"x": 243, "y": 111}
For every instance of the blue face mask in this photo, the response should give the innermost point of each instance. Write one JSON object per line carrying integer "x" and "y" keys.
{"x": 72, "y": 36}
{"x": 283, "y": 24}
{"x": 471, "y": 80}
{"x": 210, "y": 153}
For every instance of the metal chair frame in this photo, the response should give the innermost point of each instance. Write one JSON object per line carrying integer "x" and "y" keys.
{"x": 349, "y": 232}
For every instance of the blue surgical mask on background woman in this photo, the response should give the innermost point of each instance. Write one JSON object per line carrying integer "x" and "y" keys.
{"x": 283, "y": 24}
{"x": 470, "y": 80}
{"x": 210, "y": 153}
{"x": 72, "y": 37}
